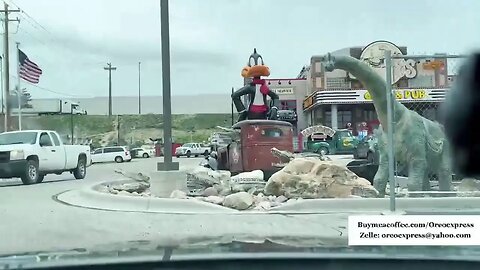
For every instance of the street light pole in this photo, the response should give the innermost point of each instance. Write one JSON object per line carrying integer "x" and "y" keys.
{"x": 139, "y": 96}
{"x": 1, "y": 77}
{"x": 19, "y": 108}
{"x": 71, "y": 123}
{"x": 18, "y": 88}
{"x": 167, "y": 165}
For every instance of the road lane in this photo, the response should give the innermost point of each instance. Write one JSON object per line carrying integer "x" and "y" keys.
{"x": 33, "y": 221}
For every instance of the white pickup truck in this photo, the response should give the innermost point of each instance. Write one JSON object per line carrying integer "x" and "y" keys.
{"x": 32, "y": 154}
{"x": 191, "y": 149}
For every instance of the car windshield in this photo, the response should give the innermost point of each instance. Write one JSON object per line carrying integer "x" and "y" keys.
{"x": 18, "y": 138}
{"x": 237, "y": 121}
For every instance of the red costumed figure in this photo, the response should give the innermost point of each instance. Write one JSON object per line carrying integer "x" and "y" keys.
{"x": 257, "y": 91}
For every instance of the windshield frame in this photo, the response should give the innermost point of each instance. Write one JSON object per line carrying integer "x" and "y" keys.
{"x": 31, "y": 137}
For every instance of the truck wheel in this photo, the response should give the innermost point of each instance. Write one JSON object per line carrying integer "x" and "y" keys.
{"x": 189, "y": 153}
{"x": 178, "y": 156}
{"x": 40, "y": 178}
{"x": 118, "y": 159}
{"x": 31, "y": 175}
{"x": 145, "y": 155}
{"x": 81, "y": 169}
{"x": 323, "y": 150}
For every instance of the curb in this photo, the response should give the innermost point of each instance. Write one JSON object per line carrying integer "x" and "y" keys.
{"x": 382, "y": 205}
{"x": 90, "y": 197}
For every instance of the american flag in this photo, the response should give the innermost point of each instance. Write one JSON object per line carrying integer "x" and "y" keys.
{"x": 28, "y": 70}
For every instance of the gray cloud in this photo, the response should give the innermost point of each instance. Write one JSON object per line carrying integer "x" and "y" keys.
{"x": 212, "y": 39}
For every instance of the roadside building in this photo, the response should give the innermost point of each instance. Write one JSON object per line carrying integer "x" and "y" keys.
{"x": 336, "y": 98}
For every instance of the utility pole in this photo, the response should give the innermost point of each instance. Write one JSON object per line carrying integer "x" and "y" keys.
{"x": 1, "y": 77}
{"x": 6, "y": 12}
{"x": 118, "y": 129}
{"x": 72, "y": 128}
{"x": 139, "y": 96}
{"x": 19, "y": 100}
{"x": 109, "y": 68}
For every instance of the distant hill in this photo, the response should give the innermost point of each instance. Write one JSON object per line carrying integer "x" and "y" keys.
{"x": 134, "y": 129}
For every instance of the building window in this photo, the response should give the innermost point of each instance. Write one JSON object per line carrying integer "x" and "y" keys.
{"x": 338, "y": 83}
{"x": 272, "y": 132}
{"x": 369, "y": 115}
{"x": 317, "y": 116}
{"x": 343, "y": 117}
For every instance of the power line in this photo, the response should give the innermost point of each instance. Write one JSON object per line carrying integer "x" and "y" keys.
{"x": 35, "y": 24}
{"x": 52, "y": 91}
{"x": 33, "y": 36}
{"x": 28, "y": 15}
{"x": 52, "y": 40}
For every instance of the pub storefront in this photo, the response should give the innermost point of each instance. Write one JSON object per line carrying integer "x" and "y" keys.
{"x": 352, "y": 108}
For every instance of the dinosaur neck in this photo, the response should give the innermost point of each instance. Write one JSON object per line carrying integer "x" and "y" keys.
{"x": 374, "y": 83}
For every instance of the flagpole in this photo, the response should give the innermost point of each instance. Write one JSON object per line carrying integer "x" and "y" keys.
{"x": 1, "y": 77}
{"x": 18, "y": 89}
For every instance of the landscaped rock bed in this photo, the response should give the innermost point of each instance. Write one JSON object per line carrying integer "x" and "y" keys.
{"x": 302, "y": 178}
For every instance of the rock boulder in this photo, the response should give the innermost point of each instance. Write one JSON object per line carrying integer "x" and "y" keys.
{"x": 239, "y": 201}
{"x": 312, "y": 178}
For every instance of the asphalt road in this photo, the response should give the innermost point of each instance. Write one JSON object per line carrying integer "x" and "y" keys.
{"x": 31, "y": 220}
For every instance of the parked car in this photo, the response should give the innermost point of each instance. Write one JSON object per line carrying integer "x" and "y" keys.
{"x": 287, "y": 115}
{"x": 341, "y": 141}
{"x": 218, "y": 140}
{"x": 191, "y": 149}
{"x": 142, "y": 152}
{"x": 32, "y": 154}
{"x": 118, "y": 154}
{"x": 367, "y": 149}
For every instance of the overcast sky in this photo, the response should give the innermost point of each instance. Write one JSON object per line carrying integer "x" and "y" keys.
{"x": 211, "y": 40}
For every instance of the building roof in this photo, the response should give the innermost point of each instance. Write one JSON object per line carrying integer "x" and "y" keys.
{"x": 261, "y": 122}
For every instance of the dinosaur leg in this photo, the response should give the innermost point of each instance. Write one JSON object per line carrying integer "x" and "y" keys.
{"x": 444, "y": 172}
{"x": 417, "y": 169}
{"x": 426, "y": 182}
{"x": 381, "y": 177}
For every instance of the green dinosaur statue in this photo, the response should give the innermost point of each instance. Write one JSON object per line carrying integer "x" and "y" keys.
{"x": 419, "y": 143}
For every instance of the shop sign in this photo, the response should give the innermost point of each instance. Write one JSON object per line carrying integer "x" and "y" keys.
{"x": 374, "y": 56}
{"x": 410, "y": 94}
{"x": 308, "y": 102}
{"x": 317, "y": 129}
{"x": 283, "y": 91}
